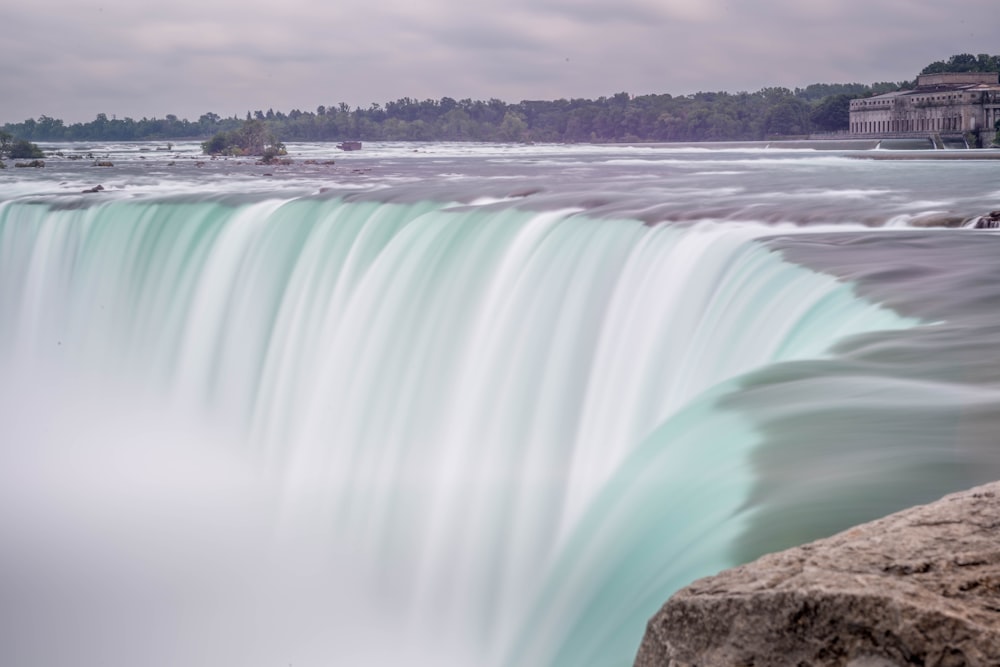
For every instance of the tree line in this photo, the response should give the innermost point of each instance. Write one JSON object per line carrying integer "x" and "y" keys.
{"x": 704, "y": 116}
{"x": 964, "y": 62}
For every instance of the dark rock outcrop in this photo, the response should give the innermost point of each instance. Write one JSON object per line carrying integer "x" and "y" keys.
{"x": 920, "y": 587}
{"x": 990, "y": 221}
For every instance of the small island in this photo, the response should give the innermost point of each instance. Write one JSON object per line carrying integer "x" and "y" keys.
{"x": 19, "y": 149}
{"x": 253, "y": 138}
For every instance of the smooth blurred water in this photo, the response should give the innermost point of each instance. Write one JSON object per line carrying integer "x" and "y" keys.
{"x": 463, "y": 405}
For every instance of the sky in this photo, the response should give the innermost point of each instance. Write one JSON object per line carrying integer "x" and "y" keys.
{"x": 73, "y": 59}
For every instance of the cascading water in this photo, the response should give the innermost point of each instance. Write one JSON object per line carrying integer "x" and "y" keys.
{"x": 310, "y": 431}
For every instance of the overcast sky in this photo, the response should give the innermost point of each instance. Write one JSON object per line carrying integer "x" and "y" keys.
{"x": 72, "y": 59}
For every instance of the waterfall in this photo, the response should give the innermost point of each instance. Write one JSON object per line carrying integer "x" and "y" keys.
{"x": 317, "y": 431}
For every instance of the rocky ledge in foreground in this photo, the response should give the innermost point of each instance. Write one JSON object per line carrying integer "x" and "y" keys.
{"x": 920, "y": 587}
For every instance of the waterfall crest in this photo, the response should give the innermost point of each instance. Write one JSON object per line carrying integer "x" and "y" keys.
{"x": 495, "y": 435}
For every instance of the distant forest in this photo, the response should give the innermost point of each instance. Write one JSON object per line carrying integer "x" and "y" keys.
{"x": 704, "y": 116}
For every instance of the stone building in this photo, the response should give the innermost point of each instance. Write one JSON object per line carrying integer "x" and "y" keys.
{"x": 950, "y": 103}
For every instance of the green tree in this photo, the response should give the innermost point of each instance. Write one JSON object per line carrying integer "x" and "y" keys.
{"x": 457, "y": 126}
{"x": 24, "y": 149}
{"x": 18, "y": 149}
{"x": 252, "y": 138}
{"x": 513, "y": 127}
{"x": 788, "y": 117}
{"x": 964, "y": 62}
{"x": 833, "y": 113}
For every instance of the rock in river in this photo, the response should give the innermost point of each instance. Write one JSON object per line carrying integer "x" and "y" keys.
{"x": 920, "y": 587}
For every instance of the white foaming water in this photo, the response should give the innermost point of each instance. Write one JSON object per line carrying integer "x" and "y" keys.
{"x": 725, "y": 181}
{"x": 314, "y": 432}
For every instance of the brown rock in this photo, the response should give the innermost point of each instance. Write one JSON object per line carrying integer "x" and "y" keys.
{"x": 920, "y": 587}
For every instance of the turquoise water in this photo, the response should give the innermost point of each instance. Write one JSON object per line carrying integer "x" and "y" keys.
{"x": 283, "y": 427}
{"x": 464, "y": 405}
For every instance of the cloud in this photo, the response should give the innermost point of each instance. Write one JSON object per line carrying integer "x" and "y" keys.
{"x": 644, "y": 12}
{"x": 72, "y": 60}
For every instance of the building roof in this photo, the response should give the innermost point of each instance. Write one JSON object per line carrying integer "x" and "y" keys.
{"x": 957, "y": 79}
{"x": 952, "y": 82}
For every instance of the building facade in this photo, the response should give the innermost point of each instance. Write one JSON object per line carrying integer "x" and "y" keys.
{"x": 951, "y": 103}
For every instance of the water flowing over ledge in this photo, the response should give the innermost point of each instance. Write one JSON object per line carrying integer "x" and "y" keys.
{"x": 483, "y": 431}
{"x": 462, "y": 409}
